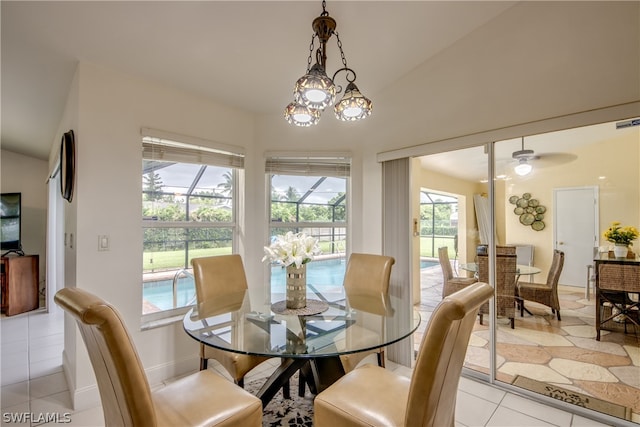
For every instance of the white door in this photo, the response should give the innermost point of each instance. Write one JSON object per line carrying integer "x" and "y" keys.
{"x": 576, "y": 231}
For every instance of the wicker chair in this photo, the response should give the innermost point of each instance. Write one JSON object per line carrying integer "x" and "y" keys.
{"x": 505, "y": 286}
{"x": 451, "y": 283}
{"x": 544, "y": 293}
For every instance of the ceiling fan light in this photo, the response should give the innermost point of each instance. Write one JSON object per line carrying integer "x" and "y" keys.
{"x": 315, "y": 89}
{"x": 353, "y": 105}
{"x": 300, "y": 115}
{"x": 523, "y": 168}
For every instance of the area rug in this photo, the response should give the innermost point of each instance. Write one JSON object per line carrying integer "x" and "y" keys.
{"x": 297, "y": 411}
{"x": 573, "y": 397}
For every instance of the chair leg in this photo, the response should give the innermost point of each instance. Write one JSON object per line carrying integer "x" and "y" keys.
{"x": 513, "y": 323}
{"x": 558, "y": 314}
{"x": 480, "y": 318}
{"x": 240, "y": 382}
{"x": 203, "y": 363}
{"x": 381, "y": 358}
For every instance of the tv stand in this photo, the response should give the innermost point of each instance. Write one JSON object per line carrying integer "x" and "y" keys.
{"x": 19, "y": 282}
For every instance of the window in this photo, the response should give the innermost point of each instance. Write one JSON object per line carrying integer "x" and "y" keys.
{"x": 310, "y": 195}
{"x": 189, "y": 206}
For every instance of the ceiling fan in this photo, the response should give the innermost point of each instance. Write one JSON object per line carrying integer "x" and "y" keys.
{"x": 527, "y": 158}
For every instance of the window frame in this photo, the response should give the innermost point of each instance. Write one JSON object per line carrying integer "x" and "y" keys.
{"x": 183, "y": 150}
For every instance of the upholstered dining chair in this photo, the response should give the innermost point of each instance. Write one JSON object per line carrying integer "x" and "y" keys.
{"x": 451, "y": 283}
{"x": 544, "y": 293}
{"x": 366, "y": 275}
{"x": 373, "y": 396}
{"x": 199, "y": 399}
{"x": 218, "y": 278}
{"x": 506, "y": 272}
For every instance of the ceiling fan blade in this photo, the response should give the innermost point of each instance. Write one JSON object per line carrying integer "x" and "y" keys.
{"x": 554, "y": 159}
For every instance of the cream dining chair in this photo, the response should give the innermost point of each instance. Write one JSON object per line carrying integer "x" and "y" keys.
{"x": 200, "y": 399}
{"x": 373, "y": 396}
{"x": 219, "y": 278}
{"x": 366, "y": 277}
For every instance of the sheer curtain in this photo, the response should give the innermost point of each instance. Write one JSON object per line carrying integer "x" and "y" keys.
{"x": 481, "y": 203}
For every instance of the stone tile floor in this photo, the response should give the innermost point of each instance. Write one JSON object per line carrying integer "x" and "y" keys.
{"x": 563, "y": 353}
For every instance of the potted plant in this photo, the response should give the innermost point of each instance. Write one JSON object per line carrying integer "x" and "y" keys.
{"x": 621, "y": 237}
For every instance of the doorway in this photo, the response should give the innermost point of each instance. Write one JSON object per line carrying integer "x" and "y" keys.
{"x": 576, "y": 230}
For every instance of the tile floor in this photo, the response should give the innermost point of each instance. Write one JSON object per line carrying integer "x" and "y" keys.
{"x": 33, "y": 383}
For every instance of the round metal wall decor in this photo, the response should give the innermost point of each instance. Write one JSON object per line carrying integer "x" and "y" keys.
{"x": 529, "y": 211}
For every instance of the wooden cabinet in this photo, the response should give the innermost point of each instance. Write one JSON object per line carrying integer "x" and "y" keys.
{"x": 19, "y": 281}
{"x": 616, "y": 278}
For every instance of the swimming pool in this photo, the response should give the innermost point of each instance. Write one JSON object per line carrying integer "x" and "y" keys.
{"x": 320, "y": 273}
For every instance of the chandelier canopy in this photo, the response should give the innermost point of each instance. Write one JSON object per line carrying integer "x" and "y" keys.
{"x": 315, "y": 91}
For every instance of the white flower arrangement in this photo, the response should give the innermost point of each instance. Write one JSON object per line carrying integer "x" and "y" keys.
{"x": 292, "y": 248}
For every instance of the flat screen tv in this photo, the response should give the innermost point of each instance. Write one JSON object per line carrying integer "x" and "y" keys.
{"x": 10, "y": 222}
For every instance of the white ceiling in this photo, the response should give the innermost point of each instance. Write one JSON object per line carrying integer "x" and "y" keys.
{"x": 242, "y": 54}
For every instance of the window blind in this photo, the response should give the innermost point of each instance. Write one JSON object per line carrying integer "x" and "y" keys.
{"x": 183, "y": 149}
{"x": 338, "y": 166}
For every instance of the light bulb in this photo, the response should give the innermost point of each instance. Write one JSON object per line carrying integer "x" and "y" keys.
{"x": 523, "y": 168}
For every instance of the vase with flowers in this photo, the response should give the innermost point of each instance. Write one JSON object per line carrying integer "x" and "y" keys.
{"x": 293, "y": 251}
{"x": 621, "y": 237}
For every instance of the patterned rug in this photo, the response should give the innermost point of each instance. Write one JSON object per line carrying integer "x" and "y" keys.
{"x": 297, "y": 411}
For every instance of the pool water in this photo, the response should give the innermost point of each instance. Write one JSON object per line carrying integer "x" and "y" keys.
{"x": 322, "y": 273}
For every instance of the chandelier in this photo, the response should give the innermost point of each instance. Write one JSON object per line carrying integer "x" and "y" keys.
{"x": 315, "y": 91}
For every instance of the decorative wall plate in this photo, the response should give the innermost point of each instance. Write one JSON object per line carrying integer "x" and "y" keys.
{"x": 527, "y": 219}
{"x": 537, "y": 225}
{"x": 529, "y": 211}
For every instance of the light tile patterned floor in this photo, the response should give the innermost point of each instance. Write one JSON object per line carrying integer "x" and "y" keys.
{"x": 562, "y": 353}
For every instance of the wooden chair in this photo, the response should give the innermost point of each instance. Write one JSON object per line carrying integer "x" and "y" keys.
{"x": 544, "y": 293}
{"x": 218, "y": 278}
{"x": 366, "y": 277}
{"x": 450, "y": 282}
{"x": 506, "y": 271}
{"x": 200, "y": 399}
{"x": 373, "y": 396}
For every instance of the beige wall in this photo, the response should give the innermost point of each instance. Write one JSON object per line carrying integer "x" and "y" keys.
{"x": 619, "y": 192}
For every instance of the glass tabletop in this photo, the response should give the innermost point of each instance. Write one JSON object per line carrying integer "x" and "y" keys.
{"x": 351, "y": 323}
{"x": 521, "y": 268}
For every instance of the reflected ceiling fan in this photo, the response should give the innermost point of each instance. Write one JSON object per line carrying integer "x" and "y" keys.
{"x": 526, "y": 159}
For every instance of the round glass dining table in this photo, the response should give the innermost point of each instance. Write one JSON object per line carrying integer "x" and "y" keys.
{"x": 312, "y": 343}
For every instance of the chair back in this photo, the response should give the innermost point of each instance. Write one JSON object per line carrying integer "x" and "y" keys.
{"x": 219, "y": 278}
{"x": 124, "y": 389}
{"x": 506, "y": 271}
{"x": 434, "y": 383}
{"x": 367, "y": 273}
{"x": 445, "y": 264}
{"x": 556, "y": 269}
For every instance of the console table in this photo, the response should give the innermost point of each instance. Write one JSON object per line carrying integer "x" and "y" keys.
{"x": 615, "y": 279}
{"x": 19, "y": 283}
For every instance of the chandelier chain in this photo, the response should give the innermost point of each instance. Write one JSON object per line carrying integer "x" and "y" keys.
{"x": 344, "y": 59}
{"x": 311, "y": 46}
